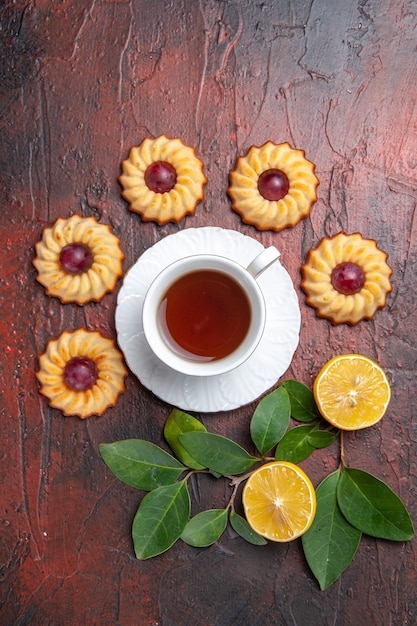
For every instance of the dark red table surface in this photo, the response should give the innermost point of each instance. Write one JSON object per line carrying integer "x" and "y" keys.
{"x": 82, "y": 82}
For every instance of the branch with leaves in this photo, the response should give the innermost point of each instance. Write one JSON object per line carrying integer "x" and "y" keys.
{"x": 350, "y": 502}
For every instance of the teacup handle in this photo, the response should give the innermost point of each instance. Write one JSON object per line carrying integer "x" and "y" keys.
{"x": 261, "y": 262}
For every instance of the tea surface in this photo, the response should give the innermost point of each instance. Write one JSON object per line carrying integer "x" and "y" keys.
{"x": 205, "y": 315}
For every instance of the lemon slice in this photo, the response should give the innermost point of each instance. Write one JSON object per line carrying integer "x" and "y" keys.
{"x": 352, "y": 392}
{"x": 279, "y": 501}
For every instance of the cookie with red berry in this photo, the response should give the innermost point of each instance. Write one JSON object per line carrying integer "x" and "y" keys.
{"x": 78, "y": 260}
{"x": 346, "y": 278}
{"x": 162, "y": 180}
{"x": 273, "y": 186}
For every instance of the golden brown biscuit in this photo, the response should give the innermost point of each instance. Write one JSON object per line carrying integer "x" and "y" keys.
{"x": 162, "y": 180}
{"x": 346, "y": 278}
{"x": 81, "y": 373}
{"x": 273, "y": 186}
{"x": 78, "y": 259}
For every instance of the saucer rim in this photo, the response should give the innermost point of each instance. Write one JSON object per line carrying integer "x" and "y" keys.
{"x": 218, "y": 397}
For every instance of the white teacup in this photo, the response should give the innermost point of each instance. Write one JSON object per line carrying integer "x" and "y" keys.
{"x": 204, "y": 314}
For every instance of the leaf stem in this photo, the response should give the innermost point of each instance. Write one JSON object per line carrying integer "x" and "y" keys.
{"x": 195, "y": 471}
{"x": 235, "y": 481}
{"x": 342, "y": 450}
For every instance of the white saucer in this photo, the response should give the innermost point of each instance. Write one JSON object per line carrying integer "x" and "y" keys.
{"x": 228, "y": 391}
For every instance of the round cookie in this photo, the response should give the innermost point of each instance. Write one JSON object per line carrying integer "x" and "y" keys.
{"x": 81, "y": 373}
{"x": 162, "y": 180}
{"x": 78, "y": 260}
{"x": 273, "y": 186}
{"x": 346, "y": 278}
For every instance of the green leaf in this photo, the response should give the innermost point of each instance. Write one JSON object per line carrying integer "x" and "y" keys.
{"x": 270, "y": 420}
{"x": 244, "y": 530}
{"x": 295, "y": 445}
{"x": 218, "y": 453}
{"x": 321, "y": 438}
{"x": 140, "y": 464}
{"x": 331, "y": 542}
{"x": 372, "y": 507}
{"x": 160, "y": 519}
{"x": 205, "y": 528}
{"x": 303, "y": 405}
{"x": 177, "y": 423}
